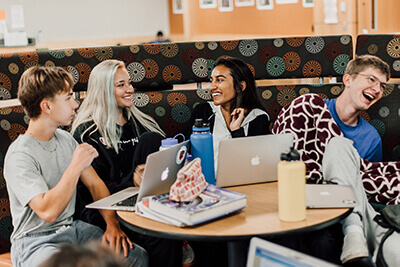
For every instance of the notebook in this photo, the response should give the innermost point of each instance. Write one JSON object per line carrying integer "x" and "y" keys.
{"x": 263, "y": 253}
{"x": 158, "y": 176}
{"x": 250, "y": 160}
{"x": 329, "y": 196}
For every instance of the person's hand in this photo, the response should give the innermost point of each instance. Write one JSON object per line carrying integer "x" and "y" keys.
{"x": 116, "y": 239}
{"x": 138, "y": 175}
{"x": 237, "y": 118}
{"x": 83, "y": 156}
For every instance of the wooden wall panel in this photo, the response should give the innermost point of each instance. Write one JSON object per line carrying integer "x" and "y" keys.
{"x": 246, "y": 21}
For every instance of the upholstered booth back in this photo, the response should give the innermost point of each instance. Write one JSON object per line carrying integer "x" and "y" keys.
{"x": 13, "y": 122}
{"x": 385, "y": 46}
{"x": 158, "y": 66}
{"x": 385, "y": 115}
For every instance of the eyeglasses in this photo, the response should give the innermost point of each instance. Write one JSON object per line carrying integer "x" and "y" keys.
{"x": 372, "y": 80}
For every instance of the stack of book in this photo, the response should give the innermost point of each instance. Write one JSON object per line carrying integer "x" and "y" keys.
{"x": 212, "y": 203}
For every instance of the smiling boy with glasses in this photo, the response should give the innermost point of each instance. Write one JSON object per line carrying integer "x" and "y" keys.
{"x": 364, "y": 81}
{"x": 319, "y": 127}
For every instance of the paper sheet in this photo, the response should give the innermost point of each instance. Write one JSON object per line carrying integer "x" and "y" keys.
{"x": 2, "y": 14}
{"x": 17, "y": 16}
{"x": 330, "y": 11}
{"x": 3, "y": 25}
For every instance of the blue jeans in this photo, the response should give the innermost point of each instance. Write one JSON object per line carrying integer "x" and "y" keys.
{"x": 34, "y": 249}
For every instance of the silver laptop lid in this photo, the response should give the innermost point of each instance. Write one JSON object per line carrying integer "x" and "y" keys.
{"x": 329, "y": 196}
{"x": 249, "y": 160}
{"x": 161, "y": 170}
{"x": 159, "y": 174}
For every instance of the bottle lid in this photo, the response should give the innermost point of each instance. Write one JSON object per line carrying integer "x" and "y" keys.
{"x": 293, "y": 155}
{"x": 189, "y": 157}
{"x": 200, "y": 126}
{"x": 169, "y": 142}
{"x": 198, "y": 123}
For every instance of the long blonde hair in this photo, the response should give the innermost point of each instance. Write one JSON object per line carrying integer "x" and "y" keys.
{"x": 100, "y": 106}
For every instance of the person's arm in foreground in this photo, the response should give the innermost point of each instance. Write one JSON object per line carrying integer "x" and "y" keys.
{"x": 113, "y": 235}
{"x": 48, "y": 206}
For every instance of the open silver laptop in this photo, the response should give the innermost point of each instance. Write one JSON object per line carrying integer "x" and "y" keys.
{"x": 263, "y": 253}
{"x": 320, "y": 196}
{"x": 251, "y": 160}
{"x": 159, "y": 174}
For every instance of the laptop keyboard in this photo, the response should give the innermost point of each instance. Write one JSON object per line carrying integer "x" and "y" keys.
{"x": 129, "y": 202}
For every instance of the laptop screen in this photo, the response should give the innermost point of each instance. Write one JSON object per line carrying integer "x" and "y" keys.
{"x": 263, "y": 253}
{"x": 264, "y": 258}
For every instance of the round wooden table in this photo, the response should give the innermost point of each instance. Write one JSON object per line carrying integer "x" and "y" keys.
{"x": 259, "y": 218}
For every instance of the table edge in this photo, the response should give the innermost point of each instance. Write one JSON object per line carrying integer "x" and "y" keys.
{"x": 211, "y": 238}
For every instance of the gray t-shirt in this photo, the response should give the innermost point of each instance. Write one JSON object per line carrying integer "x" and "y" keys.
{"x": 31, "y": 168}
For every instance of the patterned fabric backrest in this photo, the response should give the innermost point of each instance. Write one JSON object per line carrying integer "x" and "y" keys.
{"x": 385, "y": 46}
{"x": 161, "y": 65}
{"x": 384, "y": 115}
{"x": 13, "y": 122}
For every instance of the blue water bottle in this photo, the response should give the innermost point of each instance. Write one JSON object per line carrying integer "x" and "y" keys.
{"x": 202, "y": 147}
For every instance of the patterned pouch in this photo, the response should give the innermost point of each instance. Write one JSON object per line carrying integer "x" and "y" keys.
{"x": 189, "y": 183}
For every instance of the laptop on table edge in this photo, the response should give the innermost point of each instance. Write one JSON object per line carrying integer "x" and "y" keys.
{"x": 159, "y": 174}
{"x": 325, "y": 196}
